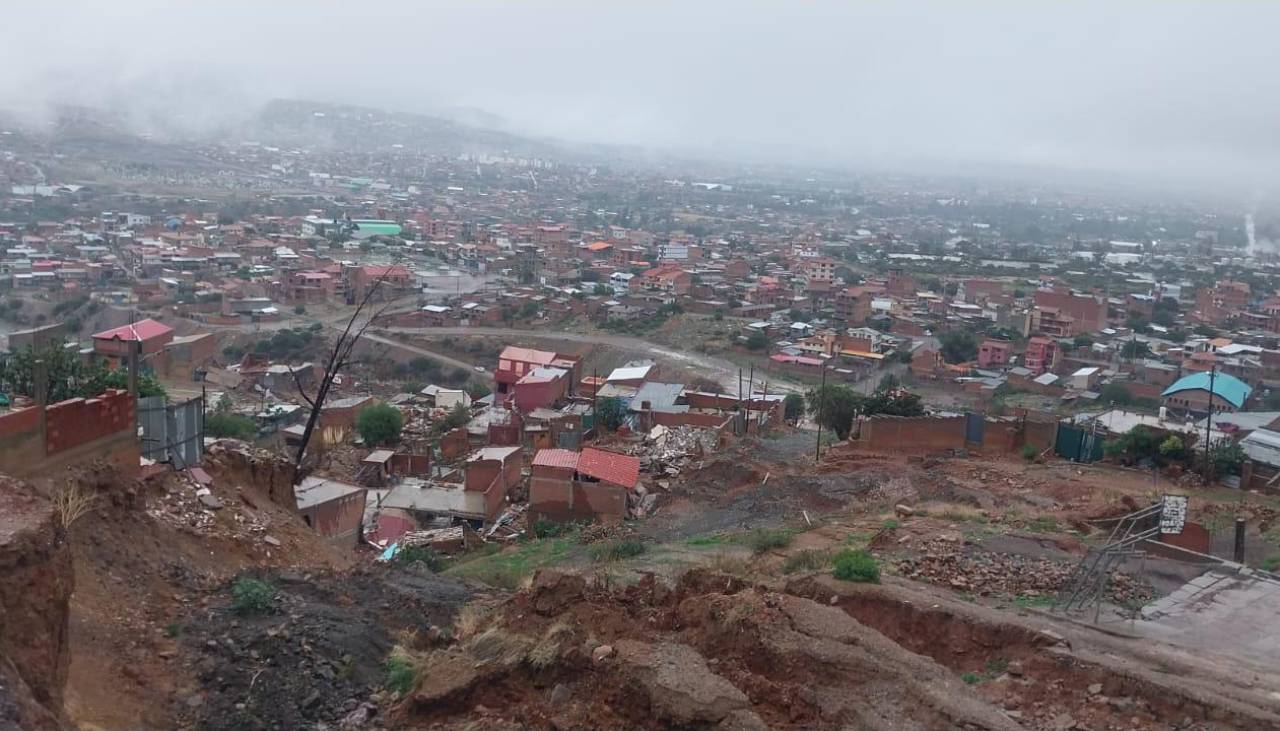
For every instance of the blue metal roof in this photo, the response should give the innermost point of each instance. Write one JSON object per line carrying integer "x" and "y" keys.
{"x": 1230, "y": 388}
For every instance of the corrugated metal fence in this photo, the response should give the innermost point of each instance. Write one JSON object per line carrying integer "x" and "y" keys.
{"x": 172, "y": 433}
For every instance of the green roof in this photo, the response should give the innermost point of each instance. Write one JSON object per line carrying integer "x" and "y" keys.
{"x": 378, "y": 229}
{"x": 1230, "y": 388}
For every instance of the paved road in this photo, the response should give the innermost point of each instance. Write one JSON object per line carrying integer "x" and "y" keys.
{"x": 723, "y": 371}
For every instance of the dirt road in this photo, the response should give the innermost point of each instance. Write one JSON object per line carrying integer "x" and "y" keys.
{"x": 720, "y": 369}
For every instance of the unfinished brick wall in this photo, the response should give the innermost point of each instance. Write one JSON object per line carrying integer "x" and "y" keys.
{"x": 79, "y": 421}
{"x": 915, "y": 434}
{"x": 75, "y": 431}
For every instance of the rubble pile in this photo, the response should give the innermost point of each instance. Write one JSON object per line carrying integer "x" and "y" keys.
{"x": 190, "y": 506}
{"x": 667, "y": 451}
{"x": 596, "y": 532}
{"x": 1225, "y": 514}
{"x": 1007, "y": 575}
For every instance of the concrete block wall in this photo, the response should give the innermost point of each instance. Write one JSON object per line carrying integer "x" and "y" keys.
{"x": 75, "y": 431}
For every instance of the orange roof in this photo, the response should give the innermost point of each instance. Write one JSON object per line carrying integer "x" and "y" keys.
{"x": 599, "y": 246}
{"x": 527, "y": 355}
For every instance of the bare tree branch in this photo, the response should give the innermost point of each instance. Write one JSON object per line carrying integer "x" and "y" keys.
{"x": 301, "y": 391}
{"x": 338, "y": 359}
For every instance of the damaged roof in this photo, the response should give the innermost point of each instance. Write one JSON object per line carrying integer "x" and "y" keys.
{"x": 618, "y": 469}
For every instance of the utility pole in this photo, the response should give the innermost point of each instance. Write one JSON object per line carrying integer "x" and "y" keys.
{"x": 1208, "y": 423}
{"x": 746, "y": 415}
{"x": 822, "y": 404}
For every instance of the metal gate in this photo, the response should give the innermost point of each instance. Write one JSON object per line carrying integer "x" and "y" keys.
{"x": 1077, "y": 445}
{"x": 172, "y": 432}
{"x": 975, "y": 427}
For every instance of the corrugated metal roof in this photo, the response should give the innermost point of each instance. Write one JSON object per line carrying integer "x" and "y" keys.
{"x": 1262, "y": 446}
{"x": 1234, "y": 390}
{"x": 618, "y": 469}
{"x": 556, "y": 458}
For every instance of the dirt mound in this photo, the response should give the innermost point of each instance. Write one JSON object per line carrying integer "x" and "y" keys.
{"x": 316, "y": 655}
{"x": 35, "y": 588}
{"x": 715, "y": 652}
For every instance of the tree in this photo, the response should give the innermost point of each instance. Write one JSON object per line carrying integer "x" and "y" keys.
{"x": 1174, "y": 449}
{"x": 958, "y": 346}
{"x": 834, "y": 407}
{"x": 602, "y": 290}
{"x": 895, "y": 402}
{"x": 529, "y": 309}
{"x": 888, "y": 382}
{"x": 706, "y": 385}
{"x": 1138, "y": 324}
{"x": 757, "y": 340}
{"x": 1116, "y": 393}
{"x": 1226, "y": 456}
{"x": 458, "y": 416}
{"x": 1083, "y": 340}
{"x": 793, "y": 407}
{"x": 610, "y": 412}
{"x": 1134, "y": 349}
{"x": 225, "y": 425}
{"x": 380, "y": 424}
{"x": 1137, "y": 444}
{"x": 478, "y": 390}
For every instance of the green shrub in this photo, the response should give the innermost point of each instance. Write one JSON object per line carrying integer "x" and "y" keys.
{"x": 853, "y": 565}
{"x": 231, "y": 426}
{"x": 762, "y": 540}
{"x": 1029, "y": 452}
{"x": 549, "y": 529}
{"x": 252, "y": 596}
{"x": 890, "y": 524}
{"x": 620, "y": 549}
{"x": 971, "y": 678}
{"x": 1272, "y": 563}
{"x": 380, "y": 424}
{"x": 399, "y": 675}
{"x": 425, "y": 555}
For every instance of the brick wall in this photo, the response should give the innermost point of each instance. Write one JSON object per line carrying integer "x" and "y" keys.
{"x": 78, "y": 421}
{"x": 940, "y": 433}
{"x": 555, "y": 496}
{"x": 77, "y": 430}
{"x": 915, "y": 434}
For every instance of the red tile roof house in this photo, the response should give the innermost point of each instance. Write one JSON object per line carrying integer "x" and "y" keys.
{"x": 114, "y": 344}
{"x": 589, "y": 485}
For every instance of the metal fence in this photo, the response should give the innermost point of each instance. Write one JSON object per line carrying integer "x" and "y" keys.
{"x": 172, "y": 433}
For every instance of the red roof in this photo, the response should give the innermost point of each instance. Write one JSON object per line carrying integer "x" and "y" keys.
{"x": 618, "y": 469}
{"x": 556, "y": 458}
{"x": 147, "y": 329}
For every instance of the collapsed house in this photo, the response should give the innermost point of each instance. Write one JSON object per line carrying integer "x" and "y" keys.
{"x": 593, "y": 484}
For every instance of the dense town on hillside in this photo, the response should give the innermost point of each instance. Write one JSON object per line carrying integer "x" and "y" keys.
{"x": 533, "y": 401}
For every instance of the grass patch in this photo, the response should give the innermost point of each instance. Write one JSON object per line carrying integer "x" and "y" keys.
{"x": 858, "y": 566}
{"x": 890, "y": 524}
{"x": 763, "y": 540}
{"x": 173, "y": 629}
{"x": 549, "y": 529}
{"x": 971, "y": 678}
{"x": 1029, "y": 602}
{"x": 1043, "y": 524}
{"x": 859, "y": 539}
{"x": 619, "y": 550}
{"x": 809, "y": 560}
{"x": 719, "y": 539}
{"x": 506, "y": 569}
{"x": 1271, "y": 563}
{"x": 399, "y": 675}
{"x": 252, "y": 596}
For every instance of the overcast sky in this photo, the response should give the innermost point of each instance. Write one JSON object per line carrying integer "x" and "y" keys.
{"x": 1180, "y": 88}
